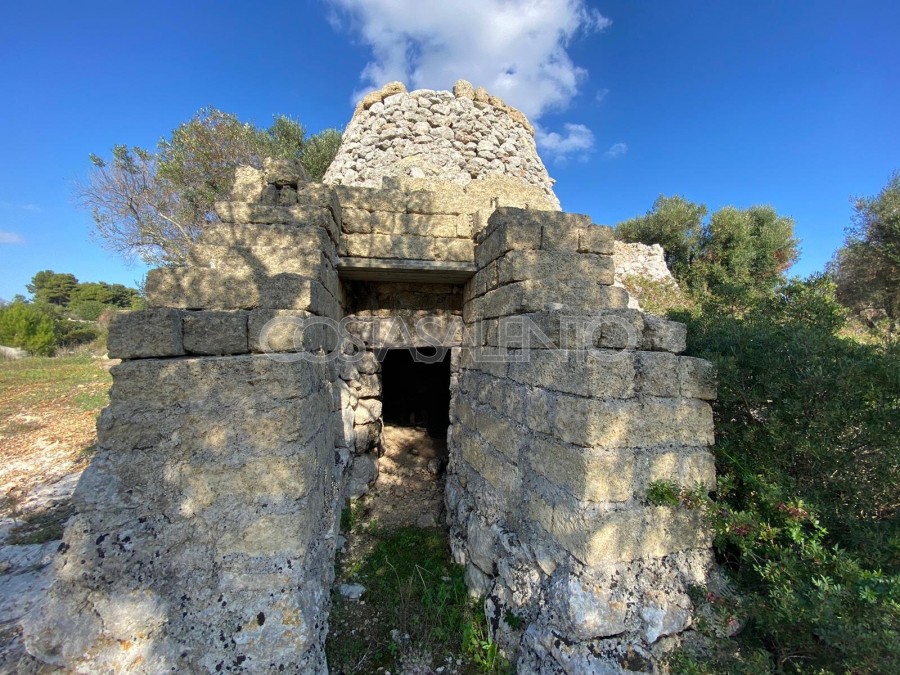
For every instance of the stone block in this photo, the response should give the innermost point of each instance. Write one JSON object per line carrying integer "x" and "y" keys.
{"x": 596, "y": 239}
{"x": 535, "y": 265}
{"x": 301, "y": 238}
{"x": 687, "y": 467}
{"x": 599, "y": 537}
{"x": 587, "y": 474}
{"x": 406, "y": 247}
{"x": 369, "y": 199}
{"x": 536, "y": 296}
{"x": 198, "y": 288}
{"x": 502, "y": 474}
{"x": 262, "y": 260}
{"x": 594, "y": 372}
{"x": 249, "y": 184}
{"x": 285, "y": 171}
{"x": 630, "y": 423}
{"x": 368, "y": 411}
{"x": 664, "y": 336}
{"x": 697, "y": 378}
{"x": 656, "y": 374}
{"x": 359, "y": 221}
{"x": 312, "y": 215}
{"x": 215, "y": 333}
{"x": 145, "y": 334}
{"x": 284, "y": 330}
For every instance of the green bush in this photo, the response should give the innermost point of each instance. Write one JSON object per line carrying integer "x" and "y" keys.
{"x": 89, "y": 310}
{"x": 29, "y": 327}
{"x": 806, "y": 516}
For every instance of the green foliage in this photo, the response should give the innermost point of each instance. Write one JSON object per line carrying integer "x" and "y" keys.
{"x": 29, "y": 327}
{"x": 867, "y": 268}
{"x": 738, "y": 254}
{"x": 52, "y": 288}
{"x": 319, "y": 151}
{"x": 674, "y": 223}
{"x": 806, "y": 514}
{"x": 415, "y": 591}
{"x": 154, "y": 204}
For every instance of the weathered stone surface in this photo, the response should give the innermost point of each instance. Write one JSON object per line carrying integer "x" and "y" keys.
{"x": 288, "y": 171}
{"x": 215, "y": 333}
{"x": 249, "y": 184}
{"x": 524, "y": 297}
{"x": 146, "y": 333}
{"x": 407, "y": 247}
{"x": 697, "y": 378}
{"x": 588, "y": 610}
{"x": 424, "y": 134}
{"x": 197, "y": 288}
{"x": 528, "y": 265}
{"x": 642, "y": 423}
{"x": 662, "y": 335}
{"x": 198, "y": 498}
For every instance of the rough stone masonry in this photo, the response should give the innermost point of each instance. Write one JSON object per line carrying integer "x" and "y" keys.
{"x": 240, "y": 419}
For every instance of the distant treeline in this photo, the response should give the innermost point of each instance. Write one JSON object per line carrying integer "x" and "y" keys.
{"x": 63, "y": 312}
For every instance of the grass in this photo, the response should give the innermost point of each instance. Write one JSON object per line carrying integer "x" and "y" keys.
{"x": 34, "y": 382}
{"x": 415, "y": 613}
{"x": 40, "y": 527}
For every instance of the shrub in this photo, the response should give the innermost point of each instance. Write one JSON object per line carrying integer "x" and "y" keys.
{"x": 28, "y": 327}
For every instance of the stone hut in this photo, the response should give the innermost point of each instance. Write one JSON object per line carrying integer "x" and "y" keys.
{"x": 248, "y": 406}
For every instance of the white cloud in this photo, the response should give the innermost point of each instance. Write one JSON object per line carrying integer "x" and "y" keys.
{"x": 577, "y": 139}
{"x": 516, "y": 49}
{"x": 602, "y": 94}
{"x": 616, "y": 150}
{"x": 10, "y": 238}
{"x": 23, "y": 207}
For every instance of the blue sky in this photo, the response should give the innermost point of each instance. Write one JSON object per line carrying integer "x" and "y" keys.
{"x": 793, "y": 104}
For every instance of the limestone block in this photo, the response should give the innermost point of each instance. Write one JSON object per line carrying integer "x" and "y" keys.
{"x": 359, "y": 221}
{"x": 265, "y": 260}
{"x": 630, "y": 423}
{"x": 363, "y": 473}
{"x": 369, "y": 199}
{"x": 406, "y": 247}
{"x": 664, "y": 615}
{"x": 249, "y": 184}
{"x": 481, "y": 545}
{"x": 527, "y": 265}
{"x": 594, "y": 372}
{"x": 143, "y": 334}
{"x": 601, "y": 537}
{"x": 656, "y": 374}
{"x": 687, "y": 467}
{"x": 316, "y": 214}
{"x": 664, "y": 336}
{"x": 368, "y": 411}
{"x": 286, "y": 171}
{"x": 536, "y": 296}
{"x": 368, "y": 436}
{"x": 588, "y": 609}
{"x": 344, "y": 434}
{"x": 492, "y": 466}
{"x": 697, "y": 378}
{"x": 215, "y": 333}
{"x": 596, "y": 239}
{"x": 283, "y": 330}
{"x": 197, "y": 288}
{"x": 587, "y": 474}
{"x": 304, "y": 239}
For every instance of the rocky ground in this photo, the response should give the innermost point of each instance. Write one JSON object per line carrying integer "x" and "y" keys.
{"x": 48, "y": 410}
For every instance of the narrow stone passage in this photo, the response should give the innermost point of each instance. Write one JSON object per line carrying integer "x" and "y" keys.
{"x": 398, "y": 601}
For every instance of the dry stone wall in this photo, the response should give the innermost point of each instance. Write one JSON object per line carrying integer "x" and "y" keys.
{"x": 552, "y": 451}
{"x": 460, "y": 136}
{"x": 242, "y": 416}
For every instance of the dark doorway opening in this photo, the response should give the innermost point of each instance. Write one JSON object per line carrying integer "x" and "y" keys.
{"x": 416, "y": 389}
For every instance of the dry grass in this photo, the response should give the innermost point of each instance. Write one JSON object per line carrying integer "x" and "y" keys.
{"x": 48, "y": 412}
